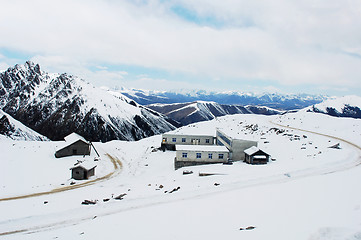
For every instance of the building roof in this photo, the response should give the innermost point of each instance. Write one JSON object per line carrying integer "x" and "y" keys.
{"x": 87, "y": 165}
{"x": 252, "y": 150}
{"x": 201, "y": 148}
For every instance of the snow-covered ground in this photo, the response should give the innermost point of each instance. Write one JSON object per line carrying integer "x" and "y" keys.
{"x": 310, "y": 191}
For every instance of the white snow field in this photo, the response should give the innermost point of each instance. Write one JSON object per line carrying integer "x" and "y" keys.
{"x": 309, "y": 191}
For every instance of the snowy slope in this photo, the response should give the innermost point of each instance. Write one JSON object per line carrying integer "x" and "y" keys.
{"x": 56, "y": 105}
{"x": 15, "y": 130}
{"x": 197, "y": 111}
{"x": 347, "y": 106}
{"x": 309, "y": 192}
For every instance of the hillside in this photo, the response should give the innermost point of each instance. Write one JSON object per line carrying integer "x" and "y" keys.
{"x": 56, "y": 105}
{"x": 15, "y": 130}
{"x": 347, "y": 106}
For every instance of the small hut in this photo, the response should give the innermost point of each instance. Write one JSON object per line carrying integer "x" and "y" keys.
{"x": 75, "y": 145}
{"x": 254, "y": 155}
{"x": 83, "y": 171}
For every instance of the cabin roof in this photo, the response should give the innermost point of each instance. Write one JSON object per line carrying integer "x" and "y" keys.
{"x": 201, "y": 148}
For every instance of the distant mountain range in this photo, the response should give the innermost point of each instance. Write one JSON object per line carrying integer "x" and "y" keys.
{"x": 56, "y": 105}
{"x": 197, "y": 111}
{"x": 272, "y": 100}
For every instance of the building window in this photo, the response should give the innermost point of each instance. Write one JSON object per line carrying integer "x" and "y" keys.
{"x": 207, "y": 140}
{"x": 174, "y": 139}
{"x": 184, "y": 155}
{"x": 164, "y": 140}
{"x": 210, "y": 155}
{"x": 183, "y": 140}
{"x": 199, "y": 155}
{"x": 221, "y": 156}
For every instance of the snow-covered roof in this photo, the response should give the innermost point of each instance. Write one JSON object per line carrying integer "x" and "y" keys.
{"x": 86, "y": 165}
{"x": 73, "y": 137}
{"x": 202, "y": 148}
{"x": 253, "y": 150}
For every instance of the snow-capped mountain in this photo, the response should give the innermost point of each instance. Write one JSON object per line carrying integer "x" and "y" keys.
{"x": 15, "y": 130}
{"x": 197, "y": 111}
{"x": 272, "y": 100}
{"x": 347, "y": 106}
{"x": 56, "y": 105}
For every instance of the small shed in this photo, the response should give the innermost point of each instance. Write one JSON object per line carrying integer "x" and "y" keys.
{"x": 83, "y": 171}
{"x": 74, "y": 145}
{"x": 254, "y": 155}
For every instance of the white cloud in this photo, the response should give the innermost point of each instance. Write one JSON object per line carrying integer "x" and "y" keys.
{"x": 291, "y": 42}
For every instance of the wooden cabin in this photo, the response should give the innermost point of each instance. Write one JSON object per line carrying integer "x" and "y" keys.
{"x": 254, "y": 155}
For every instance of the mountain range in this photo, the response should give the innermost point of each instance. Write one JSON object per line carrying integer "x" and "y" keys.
{"x": 197, "y": 111}
{"x": 56, "y": 105}
{"x": 272, "y": 100}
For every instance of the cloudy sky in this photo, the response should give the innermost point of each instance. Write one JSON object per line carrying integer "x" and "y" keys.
{"x": 288, "y": 46}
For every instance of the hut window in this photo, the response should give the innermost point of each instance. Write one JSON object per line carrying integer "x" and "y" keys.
{"x": 164, "y": 140}
{"x": 220, "y": 156}
{"x": 77, "y": 172}
{"x": 183, "y": 140}
{"x": 210, "y": 155}
{"x": 174, "y": 139}
{"x": 184, "y": 155}
{"x": 207, "y": 140}
{"x": 199, "y": 155}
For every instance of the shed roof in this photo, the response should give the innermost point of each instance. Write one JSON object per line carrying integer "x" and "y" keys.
{"x": 201, "y": 148}
{"x": 87, "y": 165}
{"x": 252, "y": 150}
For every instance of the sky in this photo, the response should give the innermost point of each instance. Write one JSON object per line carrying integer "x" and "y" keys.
{"x": 285, "y": 46}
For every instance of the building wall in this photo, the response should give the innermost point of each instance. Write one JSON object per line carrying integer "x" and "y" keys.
{"x": 78, "y": 173}
{"x": 168, "y": 140}
{"x": 77, "y": 148}
{"x": 235, "y": 146}
{"x": 192, "y": 156}
{"x": 238, "y": 147}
